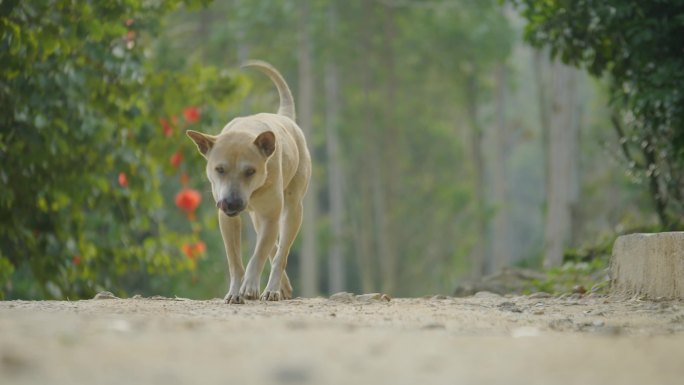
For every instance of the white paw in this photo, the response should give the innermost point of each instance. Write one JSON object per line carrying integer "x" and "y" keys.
{"x": 250, "y": 289}
{"x": 271, "y": 295}
{"x": 286, "y": 290}
{"x": 232, "y": 298}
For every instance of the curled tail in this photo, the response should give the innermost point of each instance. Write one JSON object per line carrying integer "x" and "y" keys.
{"x": 287, "y": 106}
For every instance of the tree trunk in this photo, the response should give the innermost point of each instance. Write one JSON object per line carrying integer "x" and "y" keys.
{"x": 500, "y": 199}
{"x": 478, "y": 252}
{"x": 364, "y": 232}
{"x": 336, "y": 265}
{"x": 386, "y": 169}
{"x": 563, "y": 167}
{"x": 309, "y": 262}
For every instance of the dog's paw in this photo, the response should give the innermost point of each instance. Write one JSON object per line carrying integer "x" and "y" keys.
{"x": 249, "y": 290}
{"x": 285, "y": 291}
{"x": 271, "y": 295}
{"x": 231, "y": 298}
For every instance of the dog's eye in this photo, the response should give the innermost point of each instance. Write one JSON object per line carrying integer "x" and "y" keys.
{"x": 249, "y": 172}
{"x": 220, "y": 170}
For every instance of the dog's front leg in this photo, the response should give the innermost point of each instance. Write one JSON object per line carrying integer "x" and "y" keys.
{"x": 290, "y": 225}
{"x": 267, "y": 233}
{"x": 231, "y": 230}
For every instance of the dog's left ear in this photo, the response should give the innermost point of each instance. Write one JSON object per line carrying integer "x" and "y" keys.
{"x": 266, "y": 143}
{"x": 204, "y": 142}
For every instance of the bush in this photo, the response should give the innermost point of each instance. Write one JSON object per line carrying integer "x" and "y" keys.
{"x": 88, "y": 142}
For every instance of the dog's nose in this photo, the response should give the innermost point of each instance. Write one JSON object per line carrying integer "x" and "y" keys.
{"x": 231, "y": 206}
{"x": 235, "y": 204}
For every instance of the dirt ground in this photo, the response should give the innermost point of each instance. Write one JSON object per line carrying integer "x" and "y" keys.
{"x": 481, "y": 339}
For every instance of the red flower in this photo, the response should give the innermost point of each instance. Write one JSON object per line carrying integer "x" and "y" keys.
{"x": 192, "y": 251}
{"x": 200, "y": 247}
{"x": 184, "y": 179}
{"x": 191, "y": 114}
{"x": 188, "y": 200}
{"x": 166, "y": 127}
{"x": 123, "y": 180}
{"x": 176, "y": 159}
{"x": 76, "y": 260}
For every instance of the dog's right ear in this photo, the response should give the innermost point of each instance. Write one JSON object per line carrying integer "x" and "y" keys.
{"x": 204, "y": 142}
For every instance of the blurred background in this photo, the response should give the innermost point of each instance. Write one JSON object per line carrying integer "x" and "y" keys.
{"x": 450, "y": 142}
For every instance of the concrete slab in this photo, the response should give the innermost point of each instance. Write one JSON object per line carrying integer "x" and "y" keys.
{"x": 649, "y": 264}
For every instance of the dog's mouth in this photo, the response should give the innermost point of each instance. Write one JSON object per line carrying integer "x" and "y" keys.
{"x": 231, "y": 213}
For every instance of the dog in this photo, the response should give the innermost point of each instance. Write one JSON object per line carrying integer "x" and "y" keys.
{"x": 259, "y": 164}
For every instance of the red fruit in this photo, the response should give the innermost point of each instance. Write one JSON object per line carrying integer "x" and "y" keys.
{"x": 123, "y": 180}
{"x": 191, "y": 114}
{"x": 188, "y": 199}
{"x": 176, "y": 159}
{"x": 76, "y": 260}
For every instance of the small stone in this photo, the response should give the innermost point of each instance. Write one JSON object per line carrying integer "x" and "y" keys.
{"x": 342, "y": 296}
{"x": 369, "y": 297}
{"x": 561, "y": 324}
{"x": 579, "y": 289}
{"x": 509, "y": 306}
{"x": 486, "y": 294}
{"x": 540, "y": 294}
{"x": 105, "y": 295}
{"x": 434, "y": 326}
{"x": 385, "y": 297}
{"x": 439, "y": 297}
{"x": 137, "y": 296}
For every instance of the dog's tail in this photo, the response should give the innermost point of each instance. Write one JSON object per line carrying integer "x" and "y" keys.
{"x": 287, "y": 106}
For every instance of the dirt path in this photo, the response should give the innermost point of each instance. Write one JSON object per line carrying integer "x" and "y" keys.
{"x": 481, "y": 339}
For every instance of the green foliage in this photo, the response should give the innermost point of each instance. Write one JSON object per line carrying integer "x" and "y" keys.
{"x": 639, "y": 44}
{"x": 87, "y": 202}
{"x": 575, "y": 276}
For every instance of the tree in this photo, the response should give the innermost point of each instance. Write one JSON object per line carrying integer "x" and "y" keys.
{"x": 638, "y": 45}
{"x": 85, "y": 128}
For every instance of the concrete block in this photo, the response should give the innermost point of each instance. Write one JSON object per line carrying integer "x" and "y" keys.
{"x": 649, "y": 264}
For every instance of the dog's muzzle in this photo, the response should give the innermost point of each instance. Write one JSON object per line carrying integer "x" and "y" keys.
{"x": 231, "y": 207}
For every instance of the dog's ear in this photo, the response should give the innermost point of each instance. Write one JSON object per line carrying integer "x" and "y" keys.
{"x": 266, "y": 142}
{"x": 204, "y": 142}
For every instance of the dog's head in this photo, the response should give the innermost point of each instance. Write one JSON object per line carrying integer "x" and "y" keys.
{"x": 236, "y": 165}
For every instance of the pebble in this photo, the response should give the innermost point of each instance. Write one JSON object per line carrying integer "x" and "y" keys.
{"x": 486, "y": 294}
{"x": 439, "y": 296}
{"x": 540, "y": 294}
{"x": 369, "y": 297}
{"x": 509, "y": 306}
{"x": 105, "y": 295}
{"x": 342, "y": 296}
{"x": 434, "y": 326}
